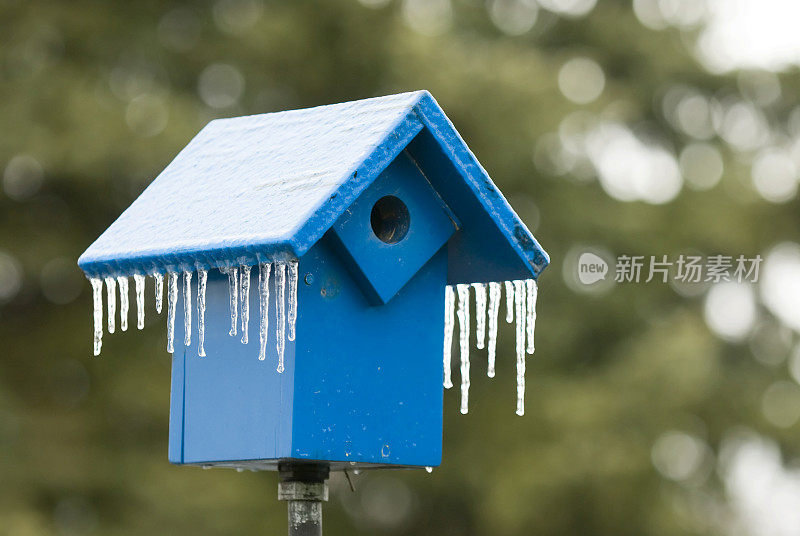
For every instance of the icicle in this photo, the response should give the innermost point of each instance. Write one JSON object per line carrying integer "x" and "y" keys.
{"x": 509, "y": 301}
{"x": 158, "y": 281}
{"x": 292, "y": 312}
{"x": 124, "y": 304}
{"x": 480, "y": 314}
{"x": 530, "y": 317}
{"x": 172, "y": 299}
{"x": 187, "y": 308}
{"x": 264, "y": 270}
{"x": 280, "y": 312}
{"x": 463, "y": 324}
{"x": 519, "y": 301}
{"x": 97, "y": 299}
{"x": 244, "y": 280}
{"x": 449, "y": 322}
{"x": 202, "y": 278}
{"x": 233, "y": 288}
{"x": 494, "y": 306}
{"x": 138, "y": 280}
{"x": 111, "y": 294}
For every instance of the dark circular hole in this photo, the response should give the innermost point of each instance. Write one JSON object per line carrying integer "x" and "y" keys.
{"x": 390, "y": 219}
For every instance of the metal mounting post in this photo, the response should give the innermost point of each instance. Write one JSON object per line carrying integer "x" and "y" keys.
{"x": 303, "y": 486}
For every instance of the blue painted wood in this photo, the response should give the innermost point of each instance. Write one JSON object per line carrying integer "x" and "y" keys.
{"x": 229, "y": 405}
{"x": 369, "y": 388}
{"x": 380, "y": 268}
{"x": 266, "y": 187}
{"x": 177, "y": 408}
{"x": 359, "y": 386}
{"x": 507, "y": 248}
{"x": 480, "y": 250}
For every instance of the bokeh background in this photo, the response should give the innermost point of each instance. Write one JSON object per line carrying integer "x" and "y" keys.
{"x": 652, "y": 127}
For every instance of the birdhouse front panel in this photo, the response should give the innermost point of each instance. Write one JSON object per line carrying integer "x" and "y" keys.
{"x": 365, "y": 388}
{"x": 392, "y": 229}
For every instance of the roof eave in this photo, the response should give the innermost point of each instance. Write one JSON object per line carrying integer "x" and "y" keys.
{"x": 492, "y": 200}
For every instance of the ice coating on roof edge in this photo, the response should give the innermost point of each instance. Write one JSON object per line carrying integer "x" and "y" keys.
{"x": 152, "y": 268}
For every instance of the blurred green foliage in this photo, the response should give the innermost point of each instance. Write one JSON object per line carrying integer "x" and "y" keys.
{"x": 102, "y": 94}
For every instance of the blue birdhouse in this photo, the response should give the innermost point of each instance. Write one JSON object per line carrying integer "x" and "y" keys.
{"x": 315, "y": 264}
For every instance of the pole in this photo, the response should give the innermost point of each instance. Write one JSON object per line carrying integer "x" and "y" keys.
{"x": 304, "y": 488}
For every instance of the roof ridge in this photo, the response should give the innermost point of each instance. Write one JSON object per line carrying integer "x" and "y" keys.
{"x": 319, "y": 107}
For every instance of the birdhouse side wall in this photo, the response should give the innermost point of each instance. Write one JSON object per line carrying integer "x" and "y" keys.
{"x": 229, "y": 405}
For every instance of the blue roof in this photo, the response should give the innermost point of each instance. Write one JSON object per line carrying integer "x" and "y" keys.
{"x": 267, "y": 187}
